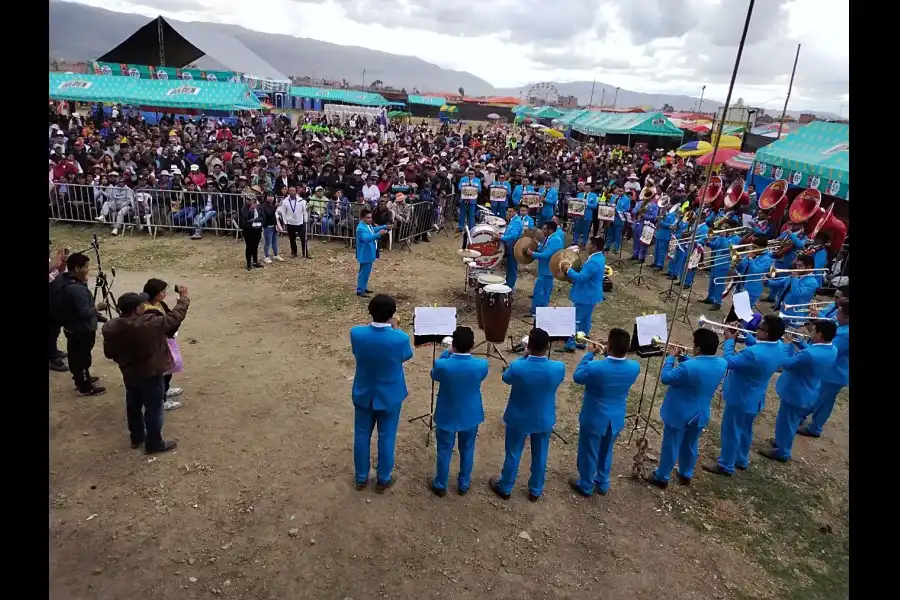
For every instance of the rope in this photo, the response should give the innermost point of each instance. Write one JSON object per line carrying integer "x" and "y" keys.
{"x": 638, "y": 468}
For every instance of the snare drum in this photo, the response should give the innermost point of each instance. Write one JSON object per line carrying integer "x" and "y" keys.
{"x": 481, "y": 282}
{"x": 496, "y": 311}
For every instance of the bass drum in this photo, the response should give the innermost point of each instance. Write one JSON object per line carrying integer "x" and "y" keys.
{"x": 486, "y": 239}
{"x": 496, "y": 311}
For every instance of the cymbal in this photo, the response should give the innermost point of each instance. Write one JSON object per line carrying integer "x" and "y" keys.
{"x": 535, "y": 234}
{"x": 519, "y": 250}
{"x": 466, "y": 253}
{"x": 566, "y": 255}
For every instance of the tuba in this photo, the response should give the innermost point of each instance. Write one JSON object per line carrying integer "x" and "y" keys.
{"x": 711, "y": 193}
{"x": 805, "y": 206}
{"x": 736, "y": 195}
{"x": 774, "y": 193}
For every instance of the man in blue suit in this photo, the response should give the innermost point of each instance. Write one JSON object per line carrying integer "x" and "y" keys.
{"x": 663, "y": 234}
{"x": 459, "y": 409}
{"x": 623, "y": 205}
{"x": 467, "y": 206}
{"x": 676, "y": 265}
{"x": 798, "y": 387}
{"x": 699, "y": 240}
{"x": 543, "y": 283}
{"x": 379, "y": 388}
{"x": 518, "y": 225}
{"x": 835, "y": 378}
{"x": 587, "y": 290}
{"x": 550, "y": 198}
{"x": 366, "y": 245}
{"x": 744, "y": 391}
{"x": 685, "y": 408}
{"x": 760, "y": 264}
{"x": 795, "y": 241}
{"x": 798, "y": 289}
{"x": 582, "y": 225}
{"x": 530, "y": 412}
{"x": 606, "y": 385}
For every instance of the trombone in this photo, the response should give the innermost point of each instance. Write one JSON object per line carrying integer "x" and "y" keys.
{"x": 808, "y": 306}
{"x": 798, "y": 318}
{"x": 732, "y": 258}
{"x": 657, "y": 342}
{"x": 772, "y": 274}
{"x": 716, "y": 325}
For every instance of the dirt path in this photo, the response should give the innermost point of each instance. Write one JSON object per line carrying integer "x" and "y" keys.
{"x": 257, "y": 501}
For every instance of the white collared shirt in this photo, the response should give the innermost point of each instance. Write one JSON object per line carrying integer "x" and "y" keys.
{"x": 462, "y": 354}
{"x": 374, "y": 324}
{"x": 616, "y": 357}
{"x": 294, "y": 210}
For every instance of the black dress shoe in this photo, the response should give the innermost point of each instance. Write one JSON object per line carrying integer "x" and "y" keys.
{"x": 361, "y": 485}
{"x": 257, "y": 266}
{"x": 715, "y": 469}
{"x": 715, "y": 307}
{"x": 94, "y": 390}
{"x": 381, "y": 488}
{"x": 369, "y": 292}
{"x": 136, "y": 445}
{"x": 573, "y": 483}
{"x": 771, "y": 455}
{"x": 249, "y": 267}
{"x": 461, "y": 491}
{"x": 59, "y": 365}
{"x": 740, "y": 467}
{"x": 166, "y": 446}
{"x": 706, "y": 301}
{"x": 652, "y": 480}
{"x": 684, "y": 480}
{"x": 532, "y": 497}
{"x": 805, "y": 432}
{"x": 439, "y": 492}
{"x": 494, "y": 484}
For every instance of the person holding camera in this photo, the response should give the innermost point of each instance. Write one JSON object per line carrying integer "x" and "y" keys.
{"x": 72, "y": 307}
{"x": 137, "y": 341}
{"x": 156, "y": 290}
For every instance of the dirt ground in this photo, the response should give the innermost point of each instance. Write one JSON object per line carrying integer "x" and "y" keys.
{"x": 257, "y": 500}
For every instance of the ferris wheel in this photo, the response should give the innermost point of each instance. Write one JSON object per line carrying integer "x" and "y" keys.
{"x": 542, "y": 94}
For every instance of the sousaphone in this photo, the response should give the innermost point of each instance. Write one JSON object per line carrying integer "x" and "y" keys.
{"x": 773, "y": 195}
{"x": 519, "y": 248}
{"x": 805, "y": 205}
{"x": 569, "y": 255}
{"x": 736, "y": 194}
{"x": 712, "y": 191}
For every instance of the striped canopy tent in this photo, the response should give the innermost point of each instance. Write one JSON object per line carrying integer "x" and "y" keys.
{"x": 602, "y": 123}
{"x": 741, "y": 161}
{"x": 196, "y": 95}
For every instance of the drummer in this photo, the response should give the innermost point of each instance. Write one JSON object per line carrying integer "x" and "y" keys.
{"x": 498, "y": 205}
{"x": 543, "y": 283}
{"x": 517, "y": 226}
{"x": 587, "y": 290}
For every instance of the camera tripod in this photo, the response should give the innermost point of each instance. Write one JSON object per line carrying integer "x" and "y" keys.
{"x": 102, "y": 285}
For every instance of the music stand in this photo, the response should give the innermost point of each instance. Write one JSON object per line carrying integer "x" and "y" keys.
{"x": 619, "y": 263}
{"x": 646, "y": 352}
{"x": 639, "y": 279}
{"x": 685, "y": 317}
{"x": 428, "y": 418}
{"x": 667, "y": 295}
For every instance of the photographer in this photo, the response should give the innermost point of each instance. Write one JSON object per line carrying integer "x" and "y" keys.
{"x": 137, "y": 342}
{"x": 72, "y": 307}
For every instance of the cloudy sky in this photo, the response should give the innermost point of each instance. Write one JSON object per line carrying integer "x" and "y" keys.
{"x": 654, "y": 46}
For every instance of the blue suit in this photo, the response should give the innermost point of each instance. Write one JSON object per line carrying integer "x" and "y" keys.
{"x": 514, "y": 230}
{"x": 702, "y": 232}
{"x": 685, "y": 410}
{"x": 606, "y": 385}
{"x": 582, "y": 225}
{"x": 458, "y": 414}
{"x": 586, "y": 292}
{"x": 530, "y": 411}
{"x": 836, "y": 378}
{"x": 366, "y": 246}
{"x": 820, "y": 261}
{"x": 720, "y": 267}
{"x": 543, "y": 283}
{"x": 498, "y": 207}
{"x": 797, "y": 243}
{"x": 614, "y": 239}
{"x": 379, "y": 388}
{"x": 799, "y": 290}
{"x": 676, "y": 265}
{"x": 517, "y": 193}
{"x": 663, "y": 235}
{"x": 468, "y": 208}
{"x": 548, "y": 209}
{"x": 640, "y": 250}
{"x": 798, "y": 389}
{"x": 757, "y": 265}
{"x": 744, "y": 392}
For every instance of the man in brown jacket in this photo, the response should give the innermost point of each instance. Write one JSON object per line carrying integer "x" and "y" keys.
{"x": 137, "y": 342}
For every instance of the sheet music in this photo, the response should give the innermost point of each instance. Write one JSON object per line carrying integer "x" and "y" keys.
{"x": 650, "y": 326}
{"x": 742, "y": 307}
{"x": 557, "y": 321}
{"x": 439, "y": 320}
{"x": 746, "y": 220}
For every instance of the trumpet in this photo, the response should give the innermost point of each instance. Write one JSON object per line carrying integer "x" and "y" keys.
{"x": 447, "y": 342}
{"x": 797, "y": 335}
{"x": 581, "y": 338}
{"x": 721, "y": 326}
{"x": 808, "y": 305}
{"x": 797, "y": 318}
{"x": 772, "y": 274}
{"x": 717, "y": 231}
{"x": 733, "y": 257}
{"x": 658, "y": 342}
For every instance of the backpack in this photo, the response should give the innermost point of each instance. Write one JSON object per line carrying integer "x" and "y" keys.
{"x": 57, "y": 297}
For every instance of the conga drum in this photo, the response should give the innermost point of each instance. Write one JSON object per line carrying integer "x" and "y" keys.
{"x": 496, "y": 311}
{"x": 482, "y": 281}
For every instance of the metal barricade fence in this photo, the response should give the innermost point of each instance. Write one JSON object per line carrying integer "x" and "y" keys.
{"x": 413, "y": 221}
{"x": 152, "y": 208}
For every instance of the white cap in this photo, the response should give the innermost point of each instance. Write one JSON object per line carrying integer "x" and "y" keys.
{"x": 357, "y": 172}
{"x": 195, "y": 167}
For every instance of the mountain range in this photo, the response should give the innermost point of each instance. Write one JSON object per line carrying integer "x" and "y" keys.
{"x": 84, "y": 33}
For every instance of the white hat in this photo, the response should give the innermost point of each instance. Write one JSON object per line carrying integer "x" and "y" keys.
{"x": 357, "y": 172}
{"x": 297, "y": 155}
{"x": 632, "y": 176}
{"x": 195, "y": 167}
{"x": 111, "y": 173}
{"x": 176, "y": 171}
{"x": 163, "y": 172}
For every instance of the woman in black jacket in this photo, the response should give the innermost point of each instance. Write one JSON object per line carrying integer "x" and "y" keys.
{"x": 270, "y": 228}
{"x": 251, "y": 219}
{"x": 156, "y": 291}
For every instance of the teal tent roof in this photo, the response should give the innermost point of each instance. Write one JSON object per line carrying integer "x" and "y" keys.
{"x": 516, "y": 110}
{"x": 427, "y": 100}
{"x": 571, "y": 117}
{"x": 600, "y": 123}
{"x": 348, "y": 96}
{"x": 816, "y": 156}
{"x": 198, "y": 95}
{"x": 548, "y": 112}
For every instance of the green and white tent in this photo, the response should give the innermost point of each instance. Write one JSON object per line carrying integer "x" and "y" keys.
{"x": 600, "y": 123}
{"x": 195, "y": 95}
{"x": 816, "y": 156}
{"x": 347, "y": 96}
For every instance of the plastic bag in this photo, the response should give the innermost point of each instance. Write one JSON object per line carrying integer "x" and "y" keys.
{"x": 175, "y": 352}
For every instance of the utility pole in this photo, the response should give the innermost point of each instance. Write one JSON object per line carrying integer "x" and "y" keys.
{"x": 700, "y": 106}
{"x": 790, "y": 86}
{"x": 615, "y": 98}
{"x": 602, "y": 96}
{"x": 591, "y": 101}
{"x": 364, "y": 79}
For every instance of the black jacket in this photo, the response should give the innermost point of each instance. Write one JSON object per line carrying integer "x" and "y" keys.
{"x": 72, "y": 305}
{"x": 246, "y": 220}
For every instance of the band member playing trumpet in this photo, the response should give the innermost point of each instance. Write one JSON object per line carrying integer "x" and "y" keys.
{"x": 818, "y": 249}
{"x": 800, "y": 288}
{"x": 797, "y": 387}
{"x": 587, "y": 289}
{"x": 719, "y": 267}
{"x": 467, "y": 208}
{"x": 744, "y": 391}
{"x": 518, "y": 225}
{"x": 614, "y": 235}
{"x": 664, "y": 232}
{"x": 543, "y": 283}
{"x": 644, "y": 213}
{"x": 459, "y": 409}
{"x": 686, "y": 406}
{"x": 606, "y": 385}
{"x": 835, "y": 378}
{"x": 379, "y": 389}
{"x": 530, "y": 412}
{"x": 758, "y": 264}
{"x": 498, "y": 206}
{"x": 582, "y": 224}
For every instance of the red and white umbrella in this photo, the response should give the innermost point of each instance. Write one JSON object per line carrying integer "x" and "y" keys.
{"x": 722, "y": 155}
{"x": 741, "y": 161}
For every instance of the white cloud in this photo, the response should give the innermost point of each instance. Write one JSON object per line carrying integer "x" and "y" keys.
{"x": 655, "y": 46}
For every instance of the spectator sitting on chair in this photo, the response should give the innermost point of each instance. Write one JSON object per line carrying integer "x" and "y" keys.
{"x": 120, "y": 202}
{"x": 206, "y": 213}
{"x": 190, "y": 198}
